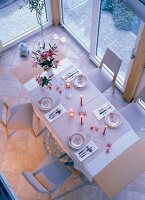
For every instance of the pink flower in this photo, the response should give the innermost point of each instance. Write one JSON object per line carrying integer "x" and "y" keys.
{"x": 39, "y": 80}
{"x": 56, "y": 62}
{"x": 50, "y": 53}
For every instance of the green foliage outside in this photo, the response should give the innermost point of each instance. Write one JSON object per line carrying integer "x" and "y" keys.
{"x": 122, "y": 16}
{"x": 108, "y": 5}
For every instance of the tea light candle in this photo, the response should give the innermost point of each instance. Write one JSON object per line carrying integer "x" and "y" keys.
{"x": 81, "y": 100}
{"x": 81, "y": 120}
{"x": 55, "y": 36}
{"x": 68, "y": 85}
{"x": 63, "y": 39}
{"x": 71, "y": 113}
{"x": 104, "y": 131}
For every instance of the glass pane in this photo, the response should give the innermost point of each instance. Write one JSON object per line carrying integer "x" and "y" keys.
{"x": 77, "y": 18}
{"x": 15, "y": 21}
{"x": 118, "y": 30}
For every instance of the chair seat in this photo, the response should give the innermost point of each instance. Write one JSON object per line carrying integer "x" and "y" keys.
{"x": 20, "y": 117}
{"x": 135, "y": 115}
{"x": 100, "y": 78}
{"x": 51, "y": 173}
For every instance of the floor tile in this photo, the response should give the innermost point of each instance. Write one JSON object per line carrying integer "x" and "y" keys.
{"x": 12, "y": 162}
{"x": 12, "y": 178}
{"x": 25, "y": 189}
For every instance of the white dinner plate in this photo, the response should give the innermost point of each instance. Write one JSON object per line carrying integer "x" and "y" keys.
{"x": 77, "y": 141}
{"x": 80, "y": 81}
{"x": 46, "y": 103}
{"x": 113, "y": 119}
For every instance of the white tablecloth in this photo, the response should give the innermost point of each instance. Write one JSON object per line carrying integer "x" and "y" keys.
{"x": 63, "y": 127}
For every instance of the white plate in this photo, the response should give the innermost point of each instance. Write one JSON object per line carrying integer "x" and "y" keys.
{"x": 113, "y": 119}
{"x": 77, "y": 141}
{"x": 46, "y": 103}
{"x": 80, "y": 81}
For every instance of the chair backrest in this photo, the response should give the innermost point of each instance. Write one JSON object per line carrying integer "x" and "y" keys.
{"x": 111, "y": 60}
{"x": 49, "y": 175}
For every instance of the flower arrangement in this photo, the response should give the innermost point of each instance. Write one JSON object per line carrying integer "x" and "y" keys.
{"x": 43, "y": 80}
{"x": 46, "y": 59}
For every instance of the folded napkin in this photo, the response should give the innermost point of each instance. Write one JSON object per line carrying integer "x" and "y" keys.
{"x": 55, "y": 113}
{"x": 69, "y": 75}
{"x": 103, "y": 110}
{"x": 31, "y": 84}
{"x": 86, "y": 151}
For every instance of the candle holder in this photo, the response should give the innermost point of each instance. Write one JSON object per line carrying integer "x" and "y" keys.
{"x": 68, "y": 90}
{"x": 63, "y": 39}
{"x": 68, "y": 85}
{"x": 55, "y": 36}
{"x": 82, "y": 112}
{"x": 71, "y": 113}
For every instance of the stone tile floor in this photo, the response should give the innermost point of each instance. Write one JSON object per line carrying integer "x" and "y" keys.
{"x": 24, "y": 152}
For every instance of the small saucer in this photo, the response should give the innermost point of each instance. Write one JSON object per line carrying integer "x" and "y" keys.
{"x": 80, "y": 81}
{"x": 46, "y": 103}
{"x": 113, "y": 119}
{"x": 77, "y": 140}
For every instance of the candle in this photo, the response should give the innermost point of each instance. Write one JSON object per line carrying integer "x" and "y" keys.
{"x": 71, "y": 113}
{"x": 55, "y": 36}
{"x": 68, "y": 85}
{"x": 81, "y": 100}
{"x": 81, "y": 120}
{"x": 63, "y": 39}
{"x": 104, "y": 130}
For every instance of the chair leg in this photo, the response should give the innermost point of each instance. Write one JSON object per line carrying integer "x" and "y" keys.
{"x": 113, "y": 87}
{"x": 32, "y": 131}
{"x": 113, "y": 84}
{"x": 5, "y": 128}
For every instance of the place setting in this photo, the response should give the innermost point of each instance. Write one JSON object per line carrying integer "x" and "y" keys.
{"x": 113, "y": 119}
{"x": 55, "y": 113}
{"x": 70, "y": 74}
{"x": 80, "y": 81}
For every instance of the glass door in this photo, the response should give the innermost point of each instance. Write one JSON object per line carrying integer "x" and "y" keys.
{"x": 76, "y": 18}
{"x": 15, "y": 22}
{"x": 101, "y": 24}
{"x": 118, "y": 30}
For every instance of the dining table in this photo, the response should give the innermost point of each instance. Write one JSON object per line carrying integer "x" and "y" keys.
{"x": 81, "y": 120}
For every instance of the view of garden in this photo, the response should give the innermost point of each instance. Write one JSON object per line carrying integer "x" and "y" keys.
{"x": 118, "y": 26}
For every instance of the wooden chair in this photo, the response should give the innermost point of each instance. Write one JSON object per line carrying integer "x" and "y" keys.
{"x": 17, "y": 117}
{"x": 100, "y": 77}
{"x": 134, "y": 113}
{"x": 49, "y": 175}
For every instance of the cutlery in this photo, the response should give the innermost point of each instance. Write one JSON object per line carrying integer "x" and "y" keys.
{"x": 55, "y": 113}
{"x": 73, "y": 74}
{"x": 101, "y": 111}
{"x": 89, "y": 150}
{"x": 83, "y": 150}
